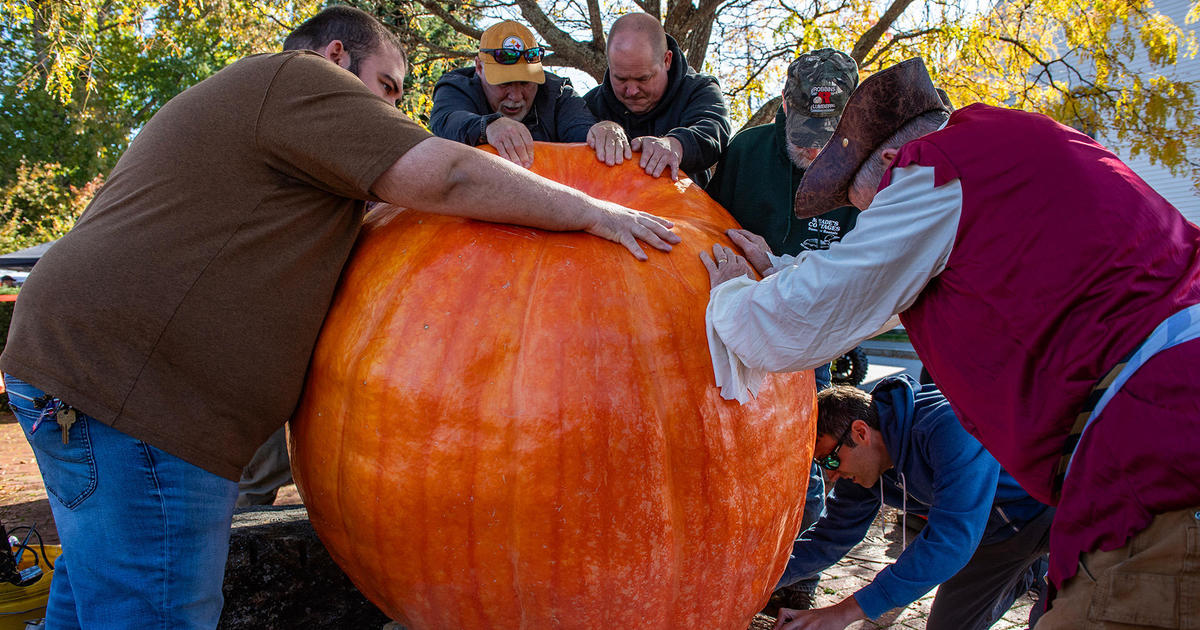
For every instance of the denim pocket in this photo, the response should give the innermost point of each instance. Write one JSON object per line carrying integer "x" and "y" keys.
{"x": 68, "y": 470}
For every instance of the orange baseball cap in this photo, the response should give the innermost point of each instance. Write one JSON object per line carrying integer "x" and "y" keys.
{"x": 513, "y": 36}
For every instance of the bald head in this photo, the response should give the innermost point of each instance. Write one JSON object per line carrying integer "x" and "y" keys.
{"x": 637, "y": 30}
{"x": 638, "y": 61}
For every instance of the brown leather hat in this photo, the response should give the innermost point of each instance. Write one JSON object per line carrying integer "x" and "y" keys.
{"x": 883, "y": 103}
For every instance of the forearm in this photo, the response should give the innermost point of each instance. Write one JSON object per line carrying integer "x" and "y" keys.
{"x": 702, "y": 145}
{"x": 444, "y": 177}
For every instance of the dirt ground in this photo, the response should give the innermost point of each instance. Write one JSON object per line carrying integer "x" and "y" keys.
{"x": 22, "y": 496}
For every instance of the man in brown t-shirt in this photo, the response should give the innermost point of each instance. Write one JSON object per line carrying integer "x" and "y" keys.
{"x": 166, "y": 336}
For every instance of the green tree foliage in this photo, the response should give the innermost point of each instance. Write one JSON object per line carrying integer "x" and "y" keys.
{"x": 1100, "y": 65}
{"x": 38, "y": 204}
{"x": 79, "y": 78}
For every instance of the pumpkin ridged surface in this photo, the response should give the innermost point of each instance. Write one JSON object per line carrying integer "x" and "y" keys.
{"x": 510, "y": 428}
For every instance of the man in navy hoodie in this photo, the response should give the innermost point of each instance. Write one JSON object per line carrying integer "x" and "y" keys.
{"x": 657, "y": 104}
{"x": 986, "y": 538}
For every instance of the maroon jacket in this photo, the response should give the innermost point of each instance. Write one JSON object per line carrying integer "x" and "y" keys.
{"x": 1064, "y": 261}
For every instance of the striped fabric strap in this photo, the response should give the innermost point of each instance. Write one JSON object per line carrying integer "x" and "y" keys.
{"x": 1081, "y": 423}
{"x": 1183, "y": 326}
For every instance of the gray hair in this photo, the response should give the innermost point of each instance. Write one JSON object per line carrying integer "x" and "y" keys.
{"x": 871, "y": 172}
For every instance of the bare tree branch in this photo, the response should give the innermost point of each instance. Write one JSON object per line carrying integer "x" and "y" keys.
{"x": 653, "y": 7}
{"x": 869, "y": 39}
{"x": 597, "y": 24}
{"x": 436, "y": 8}
{"x": 752, "y": 75}
{"x": 764, "y": 113}
{"x": 567, "y": 51}
{"x": 898, "y": 37}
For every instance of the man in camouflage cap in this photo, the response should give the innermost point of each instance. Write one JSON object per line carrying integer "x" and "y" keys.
{"x": 819, "y": 84}
{"x": 756, "y": 182}
{"x": 757, "y": 178}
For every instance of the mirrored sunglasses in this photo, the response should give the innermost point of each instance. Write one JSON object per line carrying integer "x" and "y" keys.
{"x": 509, "y": 56}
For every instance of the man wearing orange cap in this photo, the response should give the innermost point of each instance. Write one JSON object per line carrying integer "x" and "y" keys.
{"x": 507, "y": 100}
{"x": 1053, "y": 295}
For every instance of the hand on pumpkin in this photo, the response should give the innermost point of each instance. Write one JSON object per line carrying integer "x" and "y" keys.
{"x": 511, "y": 140}
{"x": 726, "y": 266}
{"x": 609, "y": 141}
{"x": 755, "y": 248}
{"x": 658, "y": 154}
{"x": 835, "y": 617}
{"x": 627, "y": 227}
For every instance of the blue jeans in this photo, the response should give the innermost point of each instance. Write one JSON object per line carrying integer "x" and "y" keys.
{"x": 814, "y": 500}
{"x": 144, "y": 534}
{"x": 823, "y": 376}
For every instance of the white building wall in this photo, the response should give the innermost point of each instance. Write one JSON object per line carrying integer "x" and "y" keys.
{"x": 1176, "y": 189}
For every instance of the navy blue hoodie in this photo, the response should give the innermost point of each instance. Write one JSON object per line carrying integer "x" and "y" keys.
{"x": 461, "y": 111}
{"x": 947, "y": 476}
{"x": 692, "y": 110}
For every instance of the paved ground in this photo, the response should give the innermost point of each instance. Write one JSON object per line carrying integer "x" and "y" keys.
{"x": 886, "y": 358}
{"x": 880, "y": 548}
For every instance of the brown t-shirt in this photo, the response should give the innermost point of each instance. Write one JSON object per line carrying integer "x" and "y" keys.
{"x": 183, "y": 307}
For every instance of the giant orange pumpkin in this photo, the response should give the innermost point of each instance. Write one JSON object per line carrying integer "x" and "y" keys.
{"x": 508, "y": 428}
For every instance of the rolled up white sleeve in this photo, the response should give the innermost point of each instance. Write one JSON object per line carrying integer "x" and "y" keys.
{"x": 826, "y": 302}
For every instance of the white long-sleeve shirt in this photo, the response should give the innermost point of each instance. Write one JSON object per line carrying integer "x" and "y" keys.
{"x": 825, "y": 302}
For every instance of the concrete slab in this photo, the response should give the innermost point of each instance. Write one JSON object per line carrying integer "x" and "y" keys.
{"x": 888, "y": 358}
{"x": 879, "y": 368}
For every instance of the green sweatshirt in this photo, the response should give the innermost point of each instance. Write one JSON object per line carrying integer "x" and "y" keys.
{"x": 756, "y": 182}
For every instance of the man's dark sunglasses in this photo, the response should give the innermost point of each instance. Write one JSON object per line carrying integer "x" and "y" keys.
{"x": 832, "y": 461}
{"x": 509, "y": 56}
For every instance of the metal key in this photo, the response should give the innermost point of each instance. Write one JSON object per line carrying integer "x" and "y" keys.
{"x": 66, "y": 417}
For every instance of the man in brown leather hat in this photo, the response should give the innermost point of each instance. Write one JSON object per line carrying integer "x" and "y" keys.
{"x": 1053, "y": 296}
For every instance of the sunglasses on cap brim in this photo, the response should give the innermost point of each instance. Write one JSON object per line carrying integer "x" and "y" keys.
{"x": 509, "y": 56}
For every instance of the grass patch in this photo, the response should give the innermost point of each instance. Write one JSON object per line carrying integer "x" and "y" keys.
{"x": 892, "y": 335}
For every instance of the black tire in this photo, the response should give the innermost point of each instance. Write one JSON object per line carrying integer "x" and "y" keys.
{"x": 850, "y": 368}
{"x": 925, "y": 379}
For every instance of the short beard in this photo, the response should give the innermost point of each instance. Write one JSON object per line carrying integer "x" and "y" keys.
{"x": 798, "y": 159}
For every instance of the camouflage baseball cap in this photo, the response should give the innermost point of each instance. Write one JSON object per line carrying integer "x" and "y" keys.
{"x": 818, "y": 85}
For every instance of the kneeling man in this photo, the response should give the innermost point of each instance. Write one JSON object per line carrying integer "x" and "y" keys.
{"x": 986, "y": 538}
